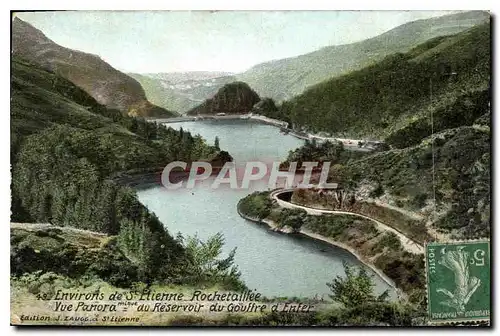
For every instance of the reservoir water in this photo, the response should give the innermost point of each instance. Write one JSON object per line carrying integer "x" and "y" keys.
{"x": 272, "y": 263}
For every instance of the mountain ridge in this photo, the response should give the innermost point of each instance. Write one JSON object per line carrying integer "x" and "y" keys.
{"x": 284, "y": 78}
{"x": 106, "y": 84}
{"x": 398, "y": 91}
{"x": 185, "y": 76}
{"x": 180, "y": 95}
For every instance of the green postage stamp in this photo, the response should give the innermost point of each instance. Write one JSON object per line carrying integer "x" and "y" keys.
{"x": 458, "y": 281}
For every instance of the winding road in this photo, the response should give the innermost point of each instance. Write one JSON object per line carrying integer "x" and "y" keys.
{"x": 407, "y": 243}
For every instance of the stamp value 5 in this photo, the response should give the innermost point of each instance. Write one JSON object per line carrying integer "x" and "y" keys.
{"x": 458, "y": 281}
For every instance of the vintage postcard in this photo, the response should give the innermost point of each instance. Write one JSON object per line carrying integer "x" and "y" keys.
{"x": 250, "y": 168}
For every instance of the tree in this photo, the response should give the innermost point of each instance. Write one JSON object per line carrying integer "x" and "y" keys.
{"x": 293, "y": 218}
{"x": 342, "y": 175}
{"x": 355, "y": 289}
{"x": 216, "y": 143}
{"x": 203, "y": 262}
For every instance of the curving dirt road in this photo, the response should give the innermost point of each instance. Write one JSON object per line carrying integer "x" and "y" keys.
{"x": 407, "y": 243}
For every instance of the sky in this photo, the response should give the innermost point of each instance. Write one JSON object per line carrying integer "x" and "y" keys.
{"x": 230, "y": 41}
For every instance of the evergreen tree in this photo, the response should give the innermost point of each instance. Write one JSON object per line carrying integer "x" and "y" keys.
{"x": 355, "y": 289}
{"x": 216, "y": 143}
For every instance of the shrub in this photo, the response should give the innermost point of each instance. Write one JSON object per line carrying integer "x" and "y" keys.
{"x": 377, "y": 192}
{"x": 355, "y": 289}
{"x": 390, "y": 240}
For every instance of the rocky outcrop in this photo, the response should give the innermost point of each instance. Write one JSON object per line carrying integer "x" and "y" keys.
{"x": 104, "y": 83}
{"x": 233, "y": 98}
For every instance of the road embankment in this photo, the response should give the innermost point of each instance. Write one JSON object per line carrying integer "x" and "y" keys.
{"x": 407, "y": 243}
{"x": 364, "y": 260}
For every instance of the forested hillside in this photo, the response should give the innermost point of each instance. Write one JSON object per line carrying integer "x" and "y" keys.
{"x": 448, "y": 77}
{"x": 236, "y": 97}
{"x": 393, "y": 98}
{"x": 65, "y": 150}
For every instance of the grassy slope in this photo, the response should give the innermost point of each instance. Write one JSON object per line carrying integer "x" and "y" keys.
{"x": 76, "y": 261}
{"x": 283, "y": 79}
{"x": 70, "y": 252}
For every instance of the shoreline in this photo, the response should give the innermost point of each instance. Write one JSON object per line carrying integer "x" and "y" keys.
{"x": 316, "y": 236}
{"x": 351, "y": 144}
{"x": 138, "y": 179}
{"x": 382, "y": 275}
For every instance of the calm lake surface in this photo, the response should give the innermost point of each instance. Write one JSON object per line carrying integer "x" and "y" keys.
{"x": 272, "y": 263}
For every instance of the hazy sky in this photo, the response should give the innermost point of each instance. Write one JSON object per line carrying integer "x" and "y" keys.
{"x": 163, "y": 41}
